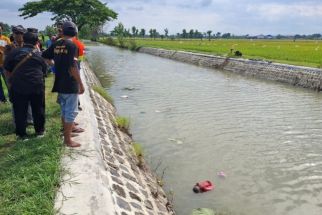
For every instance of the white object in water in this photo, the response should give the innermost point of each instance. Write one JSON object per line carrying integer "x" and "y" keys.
{"x": 124, "y": 97}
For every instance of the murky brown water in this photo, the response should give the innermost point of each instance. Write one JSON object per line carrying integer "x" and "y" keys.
{"x": 266, "y": 137}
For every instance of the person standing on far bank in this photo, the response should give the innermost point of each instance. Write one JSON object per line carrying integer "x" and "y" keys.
{"x": 68, "y": 83}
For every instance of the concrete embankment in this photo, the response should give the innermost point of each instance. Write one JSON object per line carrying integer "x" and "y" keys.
{"x": 295, "y": 75}
{"x": 103, "y": 177}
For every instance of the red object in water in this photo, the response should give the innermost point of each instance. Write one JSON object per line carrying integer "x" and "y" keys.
{"x": 205, "y": 186}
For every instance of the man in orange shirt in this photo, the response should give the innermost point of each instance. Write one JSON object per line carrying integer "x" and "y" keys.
{"x": 4, "y": 41}
{"x": 79, "y": 56}
{"x": 80, "y": 53}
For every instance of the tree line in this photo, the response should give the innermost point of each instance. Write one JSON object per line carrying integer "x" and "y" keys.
{"x": 120, "y": 30}
{"x": 134, "y": 32}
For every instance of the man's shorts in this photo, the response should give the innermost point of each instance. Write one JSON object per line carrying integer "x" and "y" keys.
{"x": 69, "y": 106}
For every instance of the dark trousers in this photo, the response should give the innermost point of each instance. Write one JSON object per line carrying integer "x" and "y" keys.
{"x": 2, "y": 96}
{"x": 20, "y": 107}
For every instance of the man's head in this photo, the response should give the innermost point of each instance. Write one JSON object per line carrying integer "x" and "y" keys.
{"x": 33, "y": 30}
{"x": 59, "y": 26}
{"x": 31, "y": 36}
{"x": 18, "y": 32}
{"x": 69, "y": 29}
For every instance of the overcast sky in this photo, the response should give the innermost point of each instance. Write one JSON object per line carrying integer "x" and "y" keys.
{"x": 234, "y": 16}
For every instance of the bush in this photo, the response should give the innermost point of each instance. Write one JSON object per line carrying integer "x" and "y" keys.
{"x": 109, "y": 41}
{"x": 132, "y": 45}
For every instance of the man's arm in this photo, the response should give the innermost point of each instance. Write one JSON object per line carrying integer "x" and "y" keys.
{"x": 74, "y": 72}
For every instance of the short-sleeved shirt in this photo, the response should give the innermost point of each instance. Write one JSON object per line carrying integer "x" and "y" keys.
{"x": 63, "y": 53}
{"x": 29, "y": 76}
{"x": 80, "y": 47}
{"x": 4, "y": 41}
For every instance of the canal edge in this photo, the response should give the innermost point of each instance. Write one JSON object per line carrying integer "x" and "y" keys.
{"x": 103, "y": 176}
{"x": 300, "y": 76}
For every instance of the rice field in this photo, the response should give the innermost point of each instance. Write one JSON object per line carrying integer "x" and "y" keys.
{"x": 300, "y": 52}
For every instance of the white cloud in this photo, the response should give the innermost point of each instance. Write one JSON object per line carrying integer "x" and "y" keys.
{"x": 235, "y": 16}
{"x": 275, "y": 12}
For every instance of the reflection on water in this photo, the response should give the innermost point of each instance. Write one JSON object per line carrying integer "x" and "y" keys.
{"x": 266, "y": 137}
{"x": 97, "y": 63}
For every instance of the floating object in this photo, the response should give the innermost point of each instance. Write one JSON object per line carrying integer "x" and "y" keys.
{"x": 203, "y": 211}
{"x": 124, "y": 97}
{"x": 129, "y": 88}
{"x": 203, "y": 186}
{"x": 221, "y": 174}
{"x": 158, "y": 111}
{"x": 177, "y": 141}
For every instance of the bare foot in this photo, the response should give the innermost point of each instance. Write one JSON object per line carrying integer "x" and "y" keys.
{"x": 73, "y": 144}
{"x": 74, "y": 135}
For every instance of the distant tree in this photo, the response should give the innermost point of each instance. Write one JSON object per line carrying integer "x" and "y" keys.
{"x": 316, "y": 36}
{"x": 279, "y": 36}
{"x": 119, "y": 32}
{"x": 154, "y": 33}
{"x": 151, "y": 33}
{"x": 127, "y": 33}
{"x": 184, "y": 33}
{"x": 142, "y": 32}
{"x": 166, "y": 32}
{"x": 191, "y": 33}
{"x": 133, "y": 30}
{"x": 209, "y": 34}
{"x": 198, "y": 34}
{"x": 218, "y": 34}
{"x": 226, "y": 35}
{"x": 81, "y": 12}
{"x": 50, "y": 30}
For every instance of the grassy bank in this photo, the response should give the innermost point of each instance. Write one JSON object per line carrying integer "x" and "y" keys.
{"x": 300, "y": 52}
{"x": 30, "y": 170}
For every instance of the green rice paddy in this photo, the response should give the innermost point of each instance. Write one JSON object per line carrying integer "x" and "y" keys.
{"x": 299, "y": 52}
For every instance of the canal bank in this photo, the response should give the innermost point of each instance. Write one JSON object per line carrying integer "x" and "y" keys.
{"x": 266, "y": 136}
{"x": 294, "y": 75}
{"x": 103, "y": 177}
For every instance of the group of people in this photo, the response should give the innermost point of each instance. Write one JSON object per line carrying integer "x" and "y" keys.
{"x": 23, "y": 67}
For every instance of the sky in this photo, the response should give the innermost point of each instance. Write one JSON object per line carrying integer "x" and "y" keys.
{"x": 238, "y": 17}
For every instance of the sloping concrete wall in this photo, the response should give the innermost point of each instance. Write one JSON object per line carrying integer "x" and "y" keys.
{"x": 135, "y": 190}
{"x": 102, "y": 177}
{"x": 295, "y": 75}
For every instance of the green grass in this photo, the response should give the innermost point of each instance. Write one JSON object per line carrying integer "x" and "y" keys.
{"x": 103, "y": 93}
{"x": 30, "y": 170}
{"x": 300, "y": 52}
{"x": 123, "y": 123}
{"x": 138, "y": 149}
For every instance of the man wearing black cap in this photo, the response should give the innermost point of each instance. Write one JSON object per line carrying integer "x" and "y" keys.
{"x": 67, "y": 83}
{"x": 18, "y": 32}
{"x": 25, "y": 69}
{"x": 18, "y": 42}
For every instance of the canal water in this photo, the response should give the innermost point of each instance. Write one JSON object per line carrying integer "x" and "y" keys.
{"x": 194, "y": 122}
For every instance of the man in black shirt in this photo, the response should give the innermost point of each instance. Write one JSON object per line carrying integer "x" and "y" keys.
{"x": 68, "y": 83}
{"x": 25, "y": 70}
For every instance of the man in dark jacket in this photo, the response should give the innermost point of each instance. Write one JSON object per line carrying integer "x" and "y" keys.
{"x": 25, "y": 70}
